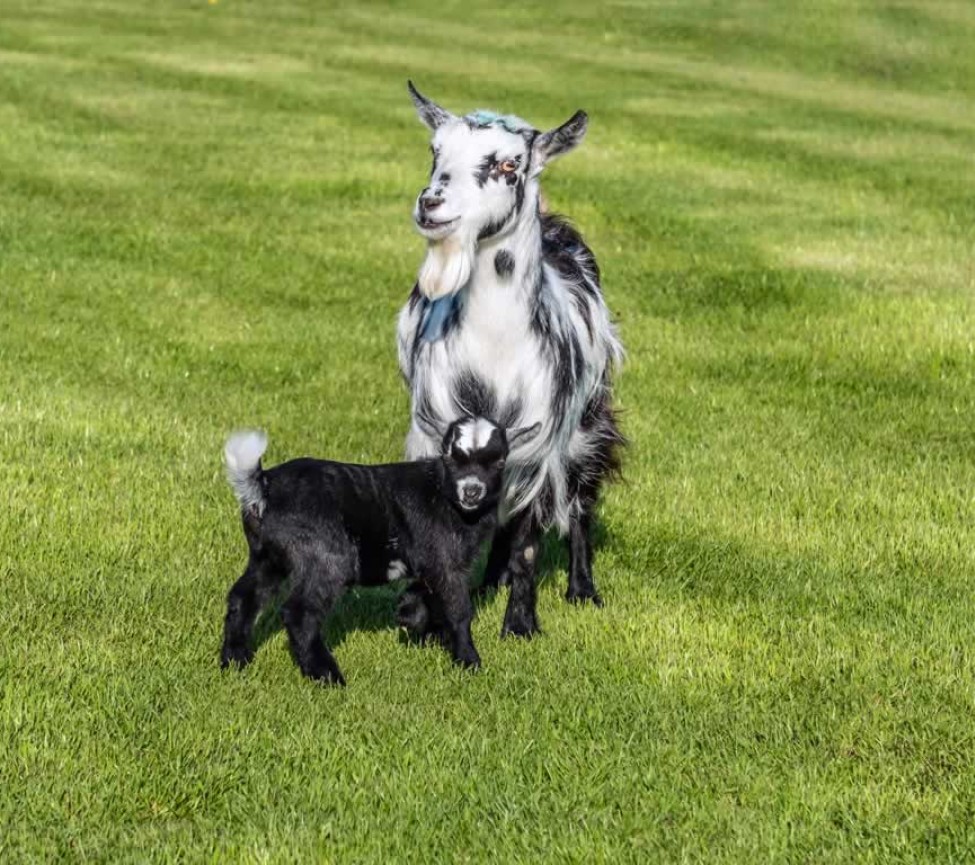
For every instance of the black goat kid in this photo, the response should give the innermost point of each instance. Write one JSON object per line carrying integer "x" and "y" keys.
{"x": 330, "y": 525}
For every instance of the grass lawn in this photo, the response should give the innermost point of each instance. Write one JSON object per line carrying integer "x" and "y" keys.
{"x": 204, "y": 223}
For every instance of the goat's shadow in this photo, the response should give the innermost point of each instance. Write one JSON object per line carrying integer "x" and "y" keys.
{"x": 374, "y": 608}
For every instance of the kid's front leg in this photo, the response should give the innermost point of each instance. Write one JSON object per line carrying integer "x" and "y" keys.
{"x": 458, "y": 612}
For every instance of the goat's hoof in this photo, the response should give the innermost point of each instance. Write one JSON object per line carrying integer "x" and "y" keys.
{"x": 584, "y": 596}
{"x": 236, "y": 656}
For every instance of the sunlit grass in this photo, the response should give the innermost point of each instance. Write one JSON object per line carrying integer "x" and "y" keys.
{"x": 204, "y": 223}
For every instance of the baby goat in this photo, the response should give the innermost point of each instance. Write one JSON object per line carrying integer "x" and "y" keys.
{"x": 331, "y": 525}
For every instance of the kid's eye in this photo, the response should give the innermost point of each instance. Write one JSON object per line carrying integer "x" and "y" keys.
{"x": 508, "y": 166}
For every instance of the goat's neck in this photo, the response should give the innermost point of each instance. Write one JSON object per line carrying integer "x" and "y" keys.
{"x": 523, "y": 243}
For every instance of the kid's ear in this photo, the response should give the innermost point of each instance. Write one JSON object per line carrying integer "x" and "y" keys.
{"x": 449, "y": 438}
{"x": 523, "y": 435}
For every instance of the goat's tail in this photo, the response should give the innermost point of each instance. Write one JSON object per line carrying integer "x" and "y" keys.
{"x": 243, "y": 453}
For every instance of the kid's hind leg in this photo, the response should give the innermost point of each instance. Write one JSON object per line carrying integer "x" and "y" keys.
{"x": 244, "y": 603}
{"x": 421, "y": 612}
{"x": 318, "y": 584}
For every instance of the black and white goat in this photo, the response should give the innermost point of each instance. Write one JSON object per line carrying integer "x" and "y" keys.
{"x": 507, "y": 320}
{"x": 330, "y": 525}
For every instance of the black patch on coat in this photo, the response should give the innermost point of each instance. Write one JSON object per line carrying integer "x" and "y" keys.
{"x": 564, "y": 249}
{"x": 519, "y": 194}
{"x": 545, "y": 501}
{"x": 504, "y": 263}
{"x": 473, "y": 396}
{"x": 417, "y": 299}
{"x": 540, "y": 316}
{"x": 569, "y": 365}
{"x": 508, "y": 416}
{"x": 494, "y": 227}
{"x": 602, "y": 461}
{"x": 562, "y": 345}
{"x": 484, "y": 169}
{"x": 427, "y": 417}
{"x": 453, "y": 319}
{"x": 444, "y": 179}
{"x": 580, "y": 299}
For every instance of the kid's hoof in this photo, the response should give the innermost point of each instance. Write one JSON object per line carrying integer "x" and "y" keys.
{"x": 235, "y": 656}
{"x": 583, "y": 596}
{"x": 324, "y": 671}
{"x": 329, "y": 678}
{"x": 471, "y": 663}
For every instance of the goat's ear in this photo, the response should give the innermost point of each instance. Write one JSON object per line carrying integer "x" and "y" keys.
{"x": 430, "y": 113}
{"x": 562, "y": 139}
{"x": 523, "y": 435}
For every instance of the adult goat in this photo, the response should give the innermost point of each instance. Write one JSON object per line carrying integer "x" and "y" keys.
{"x": 507, "y": 320}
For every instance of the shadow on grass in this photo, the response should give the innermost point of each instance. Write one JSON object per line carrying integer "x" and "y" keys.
{"x": 374, "y": 608}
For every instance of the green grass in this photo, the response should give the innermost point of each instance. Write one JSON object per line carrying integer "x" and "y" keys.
{"x": 204, "y": 223}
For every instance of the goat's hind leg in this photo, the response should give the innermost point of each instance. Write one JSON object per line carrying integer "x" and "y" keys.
{"x": 600, "y": 438}
{"x": 581, "y": 588}
{"x": 245, "y": 601}
{"x": 318, "y": 583}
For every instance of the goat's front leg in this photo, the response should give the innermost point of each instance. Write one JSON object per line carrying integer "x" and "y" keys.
{"x": 454, "y": 595}
{"x": 521, "y": 617}
{"x": 581, "y": 588}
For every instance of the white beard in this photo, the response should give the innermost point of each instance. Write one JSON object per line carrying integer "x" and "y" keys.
{"x": 447, "y": 266}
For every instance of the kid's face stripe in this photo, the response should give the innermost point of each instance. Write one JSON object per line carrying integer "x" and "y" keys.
{"x": 475, "y": 435}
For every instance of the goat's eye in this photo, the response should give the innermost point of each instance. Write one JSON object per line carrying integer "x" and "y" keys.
{"x": 508, "y": 166}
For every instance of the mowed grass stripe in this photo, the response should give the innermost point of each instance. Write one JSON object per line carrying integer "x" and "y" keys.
{"x": 204, "y": 223}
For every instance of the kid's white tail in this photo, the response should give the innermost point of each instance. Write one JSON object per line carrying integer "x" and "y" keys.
{"x": 243, "y": 453}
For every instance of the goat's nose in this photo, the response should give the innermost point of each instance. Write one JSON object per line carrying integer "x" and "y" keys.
{"x": 430, "y": 202}
{"x": 471, "y": 492}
